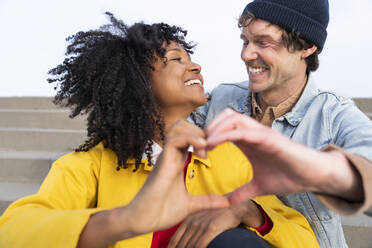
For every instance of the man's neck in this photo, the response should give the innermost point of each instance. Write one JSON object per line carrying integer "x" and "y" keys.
{"x": 276, "y": 96}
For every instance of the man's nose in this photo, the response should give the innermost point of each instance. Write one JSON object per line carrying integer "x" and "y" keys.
{"x": 249, "y": 53}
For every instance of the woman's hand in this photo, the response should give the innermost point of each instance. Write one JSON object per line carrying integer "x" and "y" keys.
{"x": 200, "y": 228}
{"x": 164, "y": 201}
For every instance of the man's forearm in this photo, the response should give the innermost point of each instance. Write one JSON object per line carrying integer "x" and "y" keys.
{"x": 343, "y": 179}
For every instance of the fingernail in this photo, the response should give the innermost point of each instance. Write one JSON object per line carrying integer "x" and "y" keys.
{"x": 202, "y": 141}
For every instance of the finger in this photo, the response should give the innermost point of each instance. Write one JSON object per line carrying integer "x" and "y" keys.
{"x": 204, "y": 240}
{"x": 176, "y": 147}
{"x": 234, "y": 121}
{"x": 173, "y": 155}
{"x": 219, "y": 118}
{"x": 191, "y": 230}
{"x": 186, "y": 230}
{"x": 210, "y": 231}
{"x": 245, "y": 192}
{"x": 183, "y": 141}
{"x": 177, "y": 235}
{"x": 184, "y": 127}
{"x": 195, "y": 227}
{"x": 227, "y": 121}
{"x": 202, "y": 153}
{"x": 252, "y": 136}
{"x": 197, "y": 203}
{"x": 199, "y": 237}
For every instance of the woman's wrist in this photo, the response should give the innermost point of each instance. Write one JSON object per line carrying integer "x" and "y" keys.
{"x": 123, "y": 226}
{"x": 105, "y": 228}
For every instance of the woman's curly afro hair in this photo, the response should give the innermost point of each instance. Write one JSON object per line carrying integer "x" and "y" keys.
{"x": 106, "y": 75}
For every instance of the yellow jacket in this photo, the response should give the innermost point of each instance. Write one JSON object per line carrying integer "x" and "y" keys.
{"x": 80, "y": 184}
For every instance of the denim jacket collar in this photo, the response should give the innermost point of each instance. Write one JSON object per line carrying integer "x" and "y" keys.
{"x": 294, "y": 117}
{"x": 242, "y": 104}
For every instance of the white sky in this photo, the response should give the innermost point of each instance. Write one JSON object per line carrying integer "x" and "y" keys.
{"x": 33, "y": 39}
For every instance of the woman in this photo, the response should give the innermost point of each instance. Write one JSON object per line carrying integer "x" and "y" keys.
{"x": 138, "y": 85}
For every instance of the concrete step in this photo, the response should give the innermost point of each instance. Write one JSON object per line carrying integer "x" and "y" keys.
{"x": 45, "y": 140}
{"x": 29, "y": 118}
{"x": 358, "y": 236}
{"x": 10, "y": 192}
{"x": 365, "y": 104}
{"x": 27, "y": 103}
{"x": 25, "y": 167}
{"x": 358, "y": 231}
{"x": 357, "y": 220}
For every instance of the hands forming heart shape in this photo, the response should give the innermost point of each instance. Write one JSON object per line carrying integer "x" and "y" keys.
{"x": 280, "y": 166}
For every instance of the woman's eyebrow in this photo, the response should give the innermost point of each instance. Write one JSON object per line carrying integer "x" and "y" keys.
{"x": 174, "y": 49}
{"x": 178, "y": 50}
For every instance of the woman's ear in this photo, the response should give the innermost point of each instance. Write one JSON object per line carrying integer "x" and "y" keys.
{"x": 307, "y": 52}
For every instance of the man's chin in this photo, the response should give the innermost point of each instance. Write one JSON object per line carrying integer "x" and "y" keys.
{"x": 256, "y": 87}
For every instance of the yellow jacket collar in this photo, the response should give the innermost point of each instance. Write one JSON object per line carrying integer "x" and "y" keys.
{"x": 204, "y": 161}
{"x": 194, "y": 159}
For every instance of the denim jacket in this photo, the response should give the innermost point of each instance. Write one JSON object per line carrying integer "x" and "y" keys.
{"x": 318, "y": 119}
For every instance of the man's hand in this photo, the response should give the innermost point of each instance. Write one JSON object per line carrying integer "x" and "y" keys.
{"x": 163, "y": 201}
{"x": 200, "y": 228}
{"x": 280, "y": 165}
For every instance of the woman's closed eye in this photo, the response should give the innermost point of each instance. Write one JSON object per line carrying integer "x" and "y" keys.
{"x": 176, "y": 59}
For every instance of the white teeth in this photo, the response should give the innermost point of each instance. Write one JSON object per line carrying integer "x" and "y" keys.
{"x": 256, "y": 70}
{"x": 193, "y": 81}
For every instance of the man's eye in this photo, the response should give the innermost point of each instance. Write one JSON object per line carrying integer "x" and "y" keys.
{"x": 176, "y": 59}
{"x": 262, "y": 43}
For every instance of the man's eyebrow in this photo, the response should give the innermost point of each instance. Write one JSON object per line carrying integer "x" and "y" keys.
{"x": 263, "y": 36}
{"x": 258, "y": 36}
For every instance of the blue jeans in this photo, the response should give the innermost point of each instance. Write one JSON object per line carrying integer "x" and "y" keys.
{"x": 238, "y": 237}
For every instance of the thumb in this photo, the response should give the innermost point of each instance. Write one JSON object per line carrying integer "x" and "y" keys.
{"x": 245, "y": 192}
{"x": 197, "y": 203}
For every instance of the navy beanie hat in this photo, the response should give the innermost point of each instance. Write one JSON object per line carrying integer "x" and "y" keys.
{"x": 307, "y": 17}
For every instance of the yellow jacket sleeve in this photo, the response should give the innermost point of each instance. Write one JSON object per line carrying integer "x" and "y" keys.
{"x": 56, "y": 215}
{"x": 290, "y": 228}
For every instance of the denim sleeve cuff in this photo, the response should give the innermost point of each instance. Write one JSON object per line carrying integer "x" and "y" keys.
{"x": 342, "y": 206}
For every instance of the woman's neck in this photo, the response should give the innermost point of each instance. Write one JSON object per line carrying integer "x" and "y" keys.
{"x": 169, "y": 119}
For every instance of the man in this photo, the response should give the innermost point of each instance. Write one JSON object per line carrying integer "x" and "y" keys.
{"x": 281, "y": 43}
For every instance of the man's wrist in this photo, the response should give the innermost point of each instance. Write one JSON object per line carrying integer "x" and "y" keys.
{"x": 342, "y": 180}
{"x": 261, "y": 222}
{"x": 250, "y": 214}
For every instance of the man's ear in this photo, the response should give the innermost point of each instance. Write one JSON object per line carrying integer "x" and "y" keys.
{"x": 307, "y": 52}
